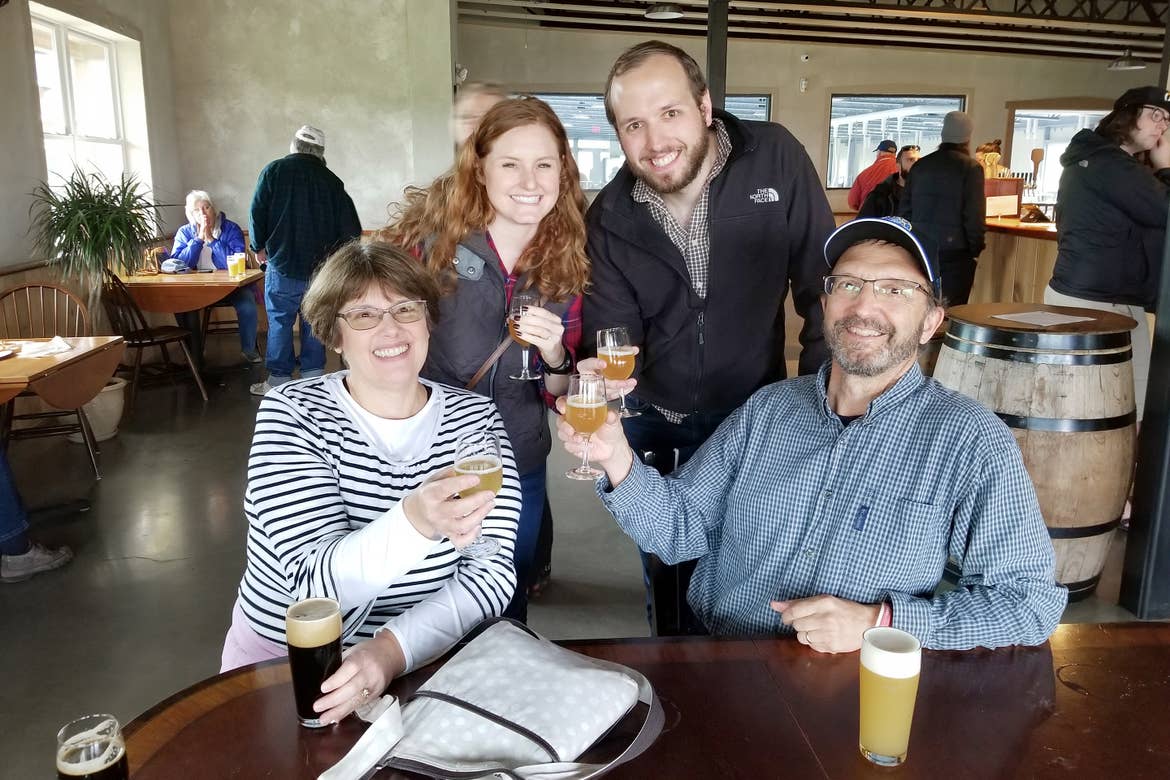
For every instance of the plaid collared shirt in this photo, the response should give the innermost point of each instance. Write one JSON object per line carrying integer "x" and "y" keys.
{"x": 784, "y": 501}
{"x": 693, "y": 241}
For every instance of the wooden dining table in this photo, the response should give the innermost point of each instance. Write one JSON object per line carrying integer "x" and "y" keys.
{"x": 174, "y": 293}
{"x": 66, "y": 380}
{"x": 1092, "y": 702}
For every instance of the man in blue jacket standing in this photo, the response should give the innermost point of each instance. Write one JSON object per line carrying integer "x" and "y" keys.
{"x": 300, "y": 212}
{"x": 694, "y": 245}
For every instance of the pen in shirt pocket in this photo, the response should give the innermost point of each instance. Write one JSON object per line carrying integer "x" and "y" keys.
{"x": 860, "y": 518}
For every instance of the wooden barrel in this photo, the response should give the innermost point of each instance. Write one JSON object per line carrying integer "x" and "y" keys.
{"x": 1066, "y": 391}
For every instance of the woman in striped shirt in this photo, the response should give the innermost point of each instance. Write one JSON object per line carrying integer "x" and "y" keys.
{"x": 351, "y": 494}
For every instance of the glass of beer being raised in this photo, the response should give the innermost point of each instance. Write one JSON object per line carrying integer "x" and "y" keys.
{"x": 92, "y": 748}
{"x": 585, "y": 410}
{"x": 313, "y": 632}
{"x": 613, "y": 346}
{"x": 890, "y": 661}
{"x": 521, "y": 303}
{"x": 478, "y": 453}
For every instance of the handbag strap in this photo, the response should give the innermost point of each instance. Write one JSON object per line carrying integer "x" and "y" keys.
{"x": 487, "y": 364}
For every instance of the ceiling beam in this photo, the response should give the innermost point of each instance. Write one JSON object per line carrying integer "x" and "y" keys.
{"x": 856, "y": 36}
{"x": 833, "y": 15}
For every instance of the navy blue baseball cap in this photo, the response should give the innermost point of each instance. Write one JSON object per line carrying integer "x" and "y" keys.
{"x": 892, "y": 230}
{"x": 886, "y": 146}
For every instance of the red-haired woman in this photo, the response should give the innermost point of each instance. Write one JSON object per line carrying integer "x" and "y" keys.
{"x": 508, "y": 218}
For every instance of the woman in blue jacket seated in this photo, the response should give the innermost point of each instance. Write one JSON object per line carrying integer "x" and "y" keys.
{"x": 204, "y": 244}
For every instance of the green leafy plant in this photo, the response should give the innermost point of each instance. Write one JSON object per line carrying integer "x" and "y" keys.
{"x": 89, "y": 224}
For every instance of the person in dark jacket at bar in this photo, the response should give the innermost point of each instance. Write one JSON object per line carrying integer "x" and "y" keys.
{"x": 694, "y": 245}
{"x": 1111, "y": 217}
{"x": 883, "y": 200}
{"x": 944, "y": 201}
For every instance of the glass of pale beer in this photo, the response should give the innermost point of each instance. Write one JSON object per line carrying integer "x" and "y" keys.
{"x": 478, "y": 453}
{"x": 585, "y": 410}
{"x": 521, "y": 303}
{"x": 92, "y": 748}
{"x": 613, "y": 346}
{"x": 890, "y": 662}
{"x": 313, "y": 632}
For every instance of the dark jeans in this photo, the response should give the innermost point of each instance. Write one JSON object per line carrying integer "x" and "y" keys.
{"x": 958, "y": 275}
{"x": 666, "y": 446}
{"x": 532, "y": 497}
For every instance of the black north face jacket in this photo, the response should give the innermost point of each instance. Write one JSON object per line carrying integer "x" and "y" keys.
{"x": 1111, "y": 223}
{"x": 769, "y": 220}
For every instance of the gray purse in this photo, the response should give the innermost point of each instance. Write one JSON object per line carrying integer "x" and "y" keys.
{"x": 508, "y": 704}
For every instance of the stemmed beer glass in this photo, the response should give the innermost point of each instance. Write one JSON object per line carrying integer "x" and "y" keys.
{"x": 478, "y": 454}
{"x": 585, "y": 410}
{"x": 613, "y": 346}
{"x": 521, "y": 303}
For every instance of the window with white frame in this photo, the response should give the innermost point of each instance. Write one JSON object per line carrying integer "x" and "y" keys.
{"x": 858, "y": 123}
{"x": 594, "y": 142}
{"x": 77, "y": 77}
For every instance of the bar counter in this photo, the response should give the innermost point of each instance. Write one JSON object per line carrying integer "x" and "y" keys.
{"x": 1017, "y": 263}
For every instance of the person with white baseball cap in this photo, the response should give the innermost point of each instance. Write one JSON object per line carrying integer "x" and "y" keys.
{"x": 1111, "y": 217}
{"x": 830, "y": 503}
{"x": 300, "y": 213}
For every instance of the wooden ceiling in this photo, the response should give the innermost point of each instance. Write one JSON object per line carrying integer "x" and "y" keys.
{"x": 1092, "y": 29}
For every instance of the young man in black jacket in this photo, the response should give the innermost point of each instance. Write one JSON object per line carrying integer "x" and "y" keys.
{"x": 944, "y": 201}
{"x": 694, "y": 245}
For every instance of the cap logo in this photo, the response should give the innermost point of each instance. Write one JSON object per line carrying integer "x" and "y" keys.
{"x": 900, "y": 222}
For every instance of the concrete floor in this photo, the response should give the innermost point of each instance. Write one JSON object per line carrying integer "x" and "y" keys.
{"x": 142, "y": 611}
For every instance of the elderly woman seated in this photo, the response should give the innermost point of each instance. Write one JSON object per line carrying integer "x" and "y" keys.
{"x": 204, "y": 244}
{"x": 351, "y": 492}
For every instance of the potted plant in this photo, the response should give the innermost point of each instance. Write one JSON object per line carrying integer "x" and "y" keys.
{"x": 88, "y": 224}
{"x": 84, "y": 227}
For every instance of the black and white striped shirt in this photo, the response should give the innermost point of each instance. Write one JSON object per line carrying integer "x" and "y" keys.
{"x": 324, "y": 513}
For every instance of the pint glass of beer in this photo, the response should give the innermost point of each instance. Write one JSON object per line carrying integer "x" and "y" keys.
{"x": 91, "y": 748}
{"x": 313, "y": 632}
{"x": 890, "y": 660}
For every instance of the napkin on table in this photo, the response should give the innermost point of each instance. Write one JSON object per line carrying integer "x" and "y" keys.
{"x": 55, "y": 346}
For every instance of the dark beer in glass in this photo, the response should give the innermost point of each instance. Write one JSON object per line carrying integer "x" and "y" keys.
{"x": 91, "y": 748}
{"x": 313, "y": 633}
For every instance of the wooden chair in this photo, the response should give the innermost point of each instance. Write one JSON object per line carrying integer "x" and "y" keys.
{"x": 129, "y": 323}
{"x": 41, "y": 311}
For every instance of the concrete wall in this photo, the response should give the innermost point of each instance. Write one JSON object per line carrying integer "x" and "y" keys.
{"x": 22, "y": 165}
{"x": 375, "y": 75}
{"x": 571, "y": 61}
{"x": 227, "y": 82}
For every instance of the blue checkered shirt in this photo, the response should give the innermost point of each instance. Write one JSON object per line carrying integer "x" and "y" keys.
{"x": 784, "y": 501}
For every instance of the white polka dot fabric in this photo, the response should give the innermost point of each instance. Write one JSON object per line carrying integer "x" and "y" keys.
{"x": 567, "y": 699}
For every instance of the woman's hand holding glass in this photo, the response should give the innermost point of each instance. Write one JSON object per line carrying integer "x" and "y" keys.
{"x": 367, "y": 670}
{"x": 436, "y": 509}
{"x": 543, "y": 330}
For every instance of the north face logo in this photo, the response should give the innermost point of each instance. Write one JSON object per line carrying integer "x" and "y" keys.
{"x": 765, "y": 195}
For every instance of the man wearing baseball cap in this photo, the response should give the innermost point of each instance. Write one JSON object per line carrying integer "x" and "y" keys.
{"x": 830, "y": 503}
{"x": 883, "y": 165}
{"x": 300, "y": 213}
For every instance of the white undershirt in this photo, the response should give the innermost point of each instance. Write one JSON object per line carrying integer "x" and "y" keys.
{"x": 205, "y": 261}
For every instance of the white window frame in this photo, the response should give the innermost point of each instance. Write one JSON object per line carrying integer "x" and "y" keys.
{"x": 61, "y": 32}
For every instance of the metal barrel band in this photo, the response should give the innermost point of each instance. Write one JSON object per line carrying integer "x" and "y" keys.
{"x": 1043, "y": 341}
{"x": 1083, "y": 531}
{"x": 1068, "y": 425}
{"x": 1123, "y": 355}
{"x": 1081, "y": 589}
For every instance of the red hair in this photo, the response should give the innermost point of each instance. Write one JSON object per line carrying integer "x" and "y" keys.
{"x": 456, "y": 204}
